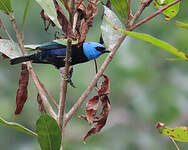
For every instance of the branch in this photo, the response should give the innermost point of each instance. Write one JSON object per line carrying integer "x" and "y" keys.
{"x": 64, "y": 84}
{"x": 144, "y": 4}
{"x": 64, "y": 80}
{"x": 29, "y": 66}
{"x": 153, "y": 15}
{"x": 175, "y": 144}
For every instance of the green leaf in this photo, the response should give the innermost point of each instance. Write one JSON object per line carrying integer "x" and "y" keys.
{"x": 169, "y": 12}
{"x": 121, "y": 8}
{"x": 17, "y": 127}
{"x": 5, "y": 6}
{"x": 49, "y": 135}
{"x": 25, "y": 14}
{"x": 157, "y": 42}
{"x": 182, "y": 25}
{"x": 64, "y": 41}
{"x": 179, "y": 133}
{"x": 50, "y": 10}
{"x": 152, "y": 40}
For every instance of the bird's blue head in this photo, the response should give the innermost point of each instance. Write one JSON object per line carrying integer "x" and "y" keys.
{"x": 93, "y": 50}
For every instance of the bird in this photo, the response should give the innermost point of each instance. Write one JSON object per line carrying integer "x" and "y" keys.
{"x": 54, "y": 53}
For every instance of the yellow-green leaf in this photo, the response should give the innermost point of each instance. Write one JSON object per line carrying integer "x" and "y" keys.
{"x": 5, "y": 6}
{"x": 179, "y": 133}
{"x": 121, "y": 8}
{"x": 64, "y": 41}
{"x": 152, "y": 40}
{"x": 169, "y": 12}
{"x": 182, "y": 25}
{"x": 17, "y": 127}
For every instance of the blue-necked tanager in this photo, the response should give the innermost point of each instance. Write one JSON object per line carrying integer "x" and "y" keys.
{"x": 54, "y": 53}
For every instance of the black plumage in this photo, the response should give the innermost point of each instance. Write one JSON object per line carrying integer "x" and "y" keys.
{"x": 54, "y": 53}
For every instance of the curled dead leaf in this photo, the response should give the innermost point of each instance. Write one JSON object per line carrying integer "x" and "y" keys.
{"x": 101, "y": 121}
{"x": 105, "y": 86}
{"x": 46, "y": 19}
{"x": 65, "y": 24}
{"x": 88, "y": 14}
{"x": 91, "y": 109}
{"x": 21, "y": 96}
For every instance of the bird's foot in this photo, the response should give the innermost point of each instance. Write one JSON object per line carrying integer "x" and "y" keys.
{"x": 70, "y": 60}
{"x": 69, "y": 76}
{"x": 69, "y": 79}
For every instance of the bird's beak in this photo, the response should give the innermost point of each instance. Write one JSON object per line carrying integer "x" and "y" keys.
{"x": 107, "y": 51}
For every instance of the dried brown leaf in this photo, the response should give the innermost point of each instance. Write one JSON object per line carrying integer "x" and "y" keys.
{"x": 40, "y": 104}
{"x": 91, "y": 109}
{"x": 89, "y": 13}
{"x": 65, "y": 24}
{"x": 101, "y": 121}
{"x": 21, "y": 96}
{"x": 84, "y": 28}
{"x": 46, "y": 18}
{"x": 105, "y": 86}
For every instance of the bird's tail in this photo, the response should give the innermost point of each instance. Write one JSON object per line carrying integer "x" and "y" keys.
{"x": 21, "y": 59}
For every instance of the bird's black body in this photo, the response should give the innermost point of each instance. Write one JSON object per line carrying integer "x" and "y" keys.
{"x": 55, "y": 53}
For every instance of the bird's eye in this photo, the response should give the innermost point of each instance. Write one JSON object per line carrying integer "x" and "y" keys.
{"x": 101, "y": 49}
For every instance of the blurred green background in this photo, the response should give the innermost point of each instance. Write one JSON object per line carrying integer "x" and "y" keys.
{"x": 146, "y": 88}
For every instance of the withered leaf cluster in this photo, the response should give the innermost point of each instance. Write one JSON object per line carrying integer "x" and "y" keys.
{"x": 84, "y": 14}
{"x": 92, "y": 107}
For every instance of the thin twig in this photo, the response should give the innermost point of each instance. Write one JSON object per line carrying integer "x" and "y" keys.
{"x": 48, "y": 94}
{"x": 129, "y": 12}
{"x": 143, "y": 5}
{"x": 64, "y": 84}
{"x": 153, "y": 15}
{"x": 5, "y": 29}
{"x": 29, "y": 66}
{"x": 175, "y": 144}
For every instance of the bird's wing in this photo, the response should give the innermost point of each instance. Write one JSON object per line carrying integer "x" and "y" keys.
{"x": 49, "y": 46}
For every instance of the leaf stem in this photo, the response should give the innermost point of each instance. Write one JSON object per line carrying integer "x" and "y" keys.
{"x": 153, "y": 15}
{"x": 175, "y": 144}
{"x": 64, "y": 84}
{"x": 5, "y": 29}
